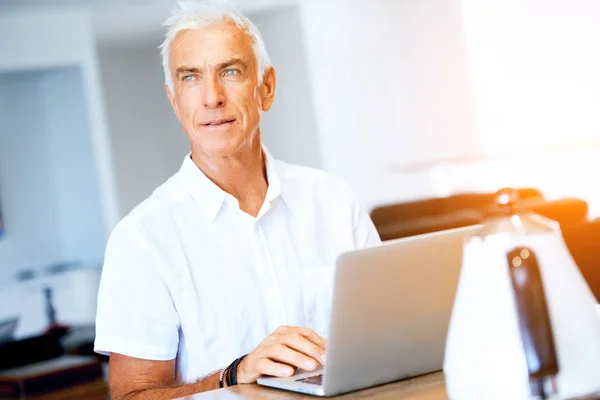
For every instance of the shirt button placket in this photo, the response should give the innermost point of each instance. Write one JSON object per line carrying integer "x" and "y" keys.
{"x": 275, "y": 298}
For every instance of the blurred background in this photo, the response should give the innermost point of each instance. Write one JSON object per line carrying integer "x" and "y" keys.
{"x": 425, "y": 107}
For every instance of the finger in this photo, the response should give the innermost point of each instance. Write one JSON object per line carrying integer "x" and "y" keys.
{"x": 314, "y": 337}
{"x": 265, "y": 366}
{"x": 309, "y": 333}
{"x": 284, "y": 354}
{"x": 302, "y": 344}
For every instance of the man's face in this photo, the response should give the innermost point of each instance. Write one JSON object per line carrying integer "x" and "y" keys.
{"x": 215, "y": 95}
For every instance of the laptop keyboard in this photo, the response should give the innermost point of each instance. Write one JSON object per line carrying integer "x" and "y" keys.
{"x": 315, "y": 380}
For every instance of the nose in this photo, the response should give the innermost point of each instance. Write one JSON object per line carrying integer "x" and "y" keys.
{"x": 213, "y": 95}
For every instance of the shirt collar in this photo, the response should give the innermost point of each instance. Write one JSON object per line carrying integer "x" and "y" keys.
{"x": 274, "y": 189}
{"x": 211, "y": 197}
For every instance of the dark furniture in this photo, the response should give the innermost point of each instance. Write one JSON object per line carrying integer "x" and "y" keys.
{"x": 411, "y": 218}
{"x": 66, "y": 374}
{"x": 30, "y": 350}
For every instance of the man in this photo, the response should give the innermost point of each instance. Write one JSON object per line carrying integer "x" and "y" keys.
{"x": 234, "y": 254}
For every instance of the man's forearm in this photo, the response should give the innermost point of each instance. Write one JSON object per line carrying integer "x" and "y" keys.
{"x": 210, "y": 382}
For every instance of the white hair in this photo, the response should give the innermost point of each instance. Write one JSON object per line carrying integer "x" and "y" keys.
{"x": 196, "y": 15}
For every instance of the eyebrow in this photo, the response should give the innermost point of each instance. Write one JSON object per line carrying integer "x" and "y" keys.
{"x": 220, "y": 66}
{"x": 229, "y": 63}
{"x": 186, "y": 70}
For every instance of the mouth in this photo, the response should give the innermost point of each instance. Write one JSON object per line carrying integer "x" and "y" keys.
{"x": 218, "y": 122}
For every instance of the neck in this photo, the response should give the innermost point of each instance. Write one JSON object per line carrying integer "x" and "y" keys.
{"x": 242, "y": 174}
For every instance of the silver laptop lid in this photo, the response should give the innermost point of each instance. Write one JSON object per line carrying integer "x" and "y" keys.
{"x": 391, "y": 310}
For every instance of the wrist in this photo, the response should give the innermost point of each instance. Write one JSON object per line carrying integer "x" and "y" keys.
{"x": 232, "y": 370}
{"x": 241, "y": 375}
{"x": 222, "y": 378}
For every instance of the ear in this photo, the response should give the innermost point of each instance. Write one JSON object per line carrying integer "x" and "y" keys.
{"x": 267, "y": 89}
{"x": 171, "y": 97}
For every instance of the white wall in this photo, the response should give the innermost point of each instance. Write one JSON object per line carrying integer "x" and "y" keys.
{"x": 60, "y": 38}
{"x": 47, "y": 154}
{"x": 391, "y": 91}
{"x": 50, "y": 201}
{"x": 537, "y": 94}
{"x": 426, "y": 98}
{"x": 32, "y": 234}
{"x": 536, "y": 84}
{"x": 147, "y": 141}
{"x": 289, "y": 129}
{"x": 48, "y": 181}
{"x": 73, "y": 172}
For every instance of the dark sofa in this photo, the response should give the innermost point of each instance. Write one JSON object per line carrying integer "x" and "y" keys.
{"x": 581, "y": 235}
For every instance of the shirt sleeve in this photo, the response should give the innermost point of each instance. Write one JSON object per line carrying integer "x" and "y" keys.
{"x": 136, "y": 316}
{"x": 365, "y": 234}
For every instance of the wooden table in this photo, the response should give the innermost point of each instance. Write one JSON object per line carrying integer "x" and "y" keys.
{"x": 427, "y": 387}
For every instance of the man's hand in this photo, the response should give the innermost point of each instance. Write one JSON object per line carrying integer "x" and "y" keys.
{"x": 281, "y": 353}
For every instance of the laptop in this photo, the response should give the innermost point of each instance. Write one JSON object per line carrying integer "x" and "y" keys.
{"x": 390, "y": 314}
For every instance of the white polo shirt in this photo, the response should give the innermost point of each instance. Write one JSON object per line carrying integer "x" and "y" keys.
{"x": 188, "y": 275}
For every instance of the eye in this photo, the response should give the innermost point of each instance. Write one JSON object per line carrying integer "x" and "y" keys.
{"x": 231, "y": 72}
{"x": 188, "y": 78}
